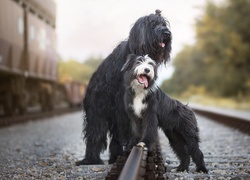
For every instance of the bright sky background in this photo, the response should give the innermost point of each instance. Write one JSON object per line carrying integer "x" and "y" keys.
{"x": 95, "y": 27}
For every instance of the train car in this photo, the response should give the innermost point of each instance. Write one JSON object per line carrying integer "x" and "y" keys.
{"x": 12, "y": 55}
{"x": 74, "y": 92}
{"x": 28, "y": 57}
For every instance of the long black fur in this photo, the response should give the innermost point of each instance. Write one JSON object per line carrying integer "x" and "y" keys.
{"x": 179, "y": 124}
{"x": 102, "y": 98}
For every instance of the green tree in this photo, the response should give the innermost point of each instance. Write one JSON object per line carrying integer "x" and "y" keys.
{"x": 225, "y": 52}
{"x": 93, "y": 62}
{"x": 73, "y": 70}
{"x": 219, "y": 60}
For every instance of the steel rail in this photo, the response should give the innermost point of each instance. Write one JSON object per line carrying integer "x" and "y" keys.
{"x": 131, "y": 169}
{"x": 139, "y": 164}
{"x": 240, "y": 123}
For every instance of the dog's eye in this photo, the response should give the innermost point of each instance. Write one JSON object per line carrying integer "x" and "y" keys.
{"x": 150, "y": 63}
{"x": 138, "y": 62}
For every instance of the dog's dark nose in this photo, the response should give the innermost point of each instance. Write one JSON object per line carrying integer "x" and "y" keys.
{"x": 146, "y": 70}
{"x": 167, "y": 33}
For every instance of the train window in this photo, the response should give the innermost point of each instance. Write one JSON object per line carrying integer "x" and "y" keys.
{"x": 32, "y": 32}
{"x": 42, "y": 39}
{"x": 20, "y": 25}
{"x": 48, "y": 42}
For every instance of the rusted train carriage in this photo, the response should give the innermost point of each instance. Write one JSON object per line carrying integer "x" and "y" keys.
{"x": 28, "y": 58}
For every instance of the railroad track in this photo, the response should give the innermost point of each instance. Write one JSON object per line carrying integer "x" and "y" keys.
{"x": 35, "y": 115}
{"x": 49, "y": 149}
{"x": 241, "y": 123}
{"x": 139, "y": 164}
{"x": 224, "y": 161}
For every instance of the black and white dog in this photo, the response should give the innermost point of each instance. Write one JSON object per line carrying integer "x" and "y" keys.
{"x": 139, "y": 101}
{"x": 147, "y": 108}
{"x": 105, "y": 92}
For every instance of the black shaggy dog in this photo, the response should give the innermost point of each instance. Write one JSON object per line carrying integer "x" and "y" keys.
{"x": 139, "y": 103}
{"x": 149, "y": 35}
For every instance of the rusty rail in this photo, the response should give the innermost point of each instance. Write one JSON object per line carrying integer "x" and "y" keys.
{"x": 240, "y": 123}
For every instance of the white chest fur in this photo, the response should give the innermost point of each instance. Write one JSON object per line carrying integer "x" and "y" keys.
{"x": 138, "y": 104}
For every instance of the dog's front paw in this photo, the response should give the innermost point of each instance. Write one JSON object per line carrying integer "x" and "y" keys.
{"x": 89, "y": 162}
{"x": 182, "y": 168}
{"x": 141, "y": 144}
{"x": 202, "y": 169}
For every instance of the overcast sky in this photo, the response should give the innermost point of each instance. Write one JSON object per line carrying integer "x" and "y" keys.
{"x": 95, "y": 27}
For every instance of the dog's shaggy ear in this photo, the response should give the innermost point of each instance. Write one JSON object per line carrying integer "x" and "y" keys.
{"x": 130, "y": 59}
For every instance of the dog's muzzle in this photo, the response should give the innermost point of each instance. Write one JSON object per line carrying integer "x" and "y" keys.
{"x": 166, "y": 36}
{"x": 145, "y": 77}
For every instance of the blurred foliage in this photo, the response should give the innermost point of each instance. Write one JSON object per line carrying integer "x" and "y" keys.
{"x": 73, "y": 70}
{"x": 219, "y": 61}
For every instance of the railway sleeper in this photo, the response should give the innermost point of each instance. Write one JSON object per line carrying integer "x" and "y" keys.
{"x": 151, "y": 165}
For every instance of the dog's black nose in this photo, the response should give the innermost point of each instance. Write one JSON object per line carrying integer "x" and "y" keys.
{"x": 164, "y": 30}
{"x": 167, "y": 33}
{"x": 146, "y": 70}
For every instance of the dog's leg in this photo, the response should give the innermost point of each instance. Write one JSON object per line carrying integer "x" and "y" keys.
{"x": 133, "y": 141}
{"x": 96, "y": 139}
{"x": 178, "y": 145}
{"x": 190, "y": 132}
{"x": 115, "y": 149}
{"x": 150, "y": 131}
{"x": 196, "y": 154}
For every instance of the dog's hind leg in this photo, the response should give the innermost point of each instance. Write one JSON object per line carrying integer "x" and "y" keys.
{"x": 190, "y": 133}
{"x": 197, "y": 155}
{"x": 96, "y": 140}
{"x": 178, "y": 145}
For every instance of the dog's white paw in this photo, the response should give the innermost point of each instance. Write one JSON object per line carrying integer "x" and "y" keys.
{"x": 141, "y": 144}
